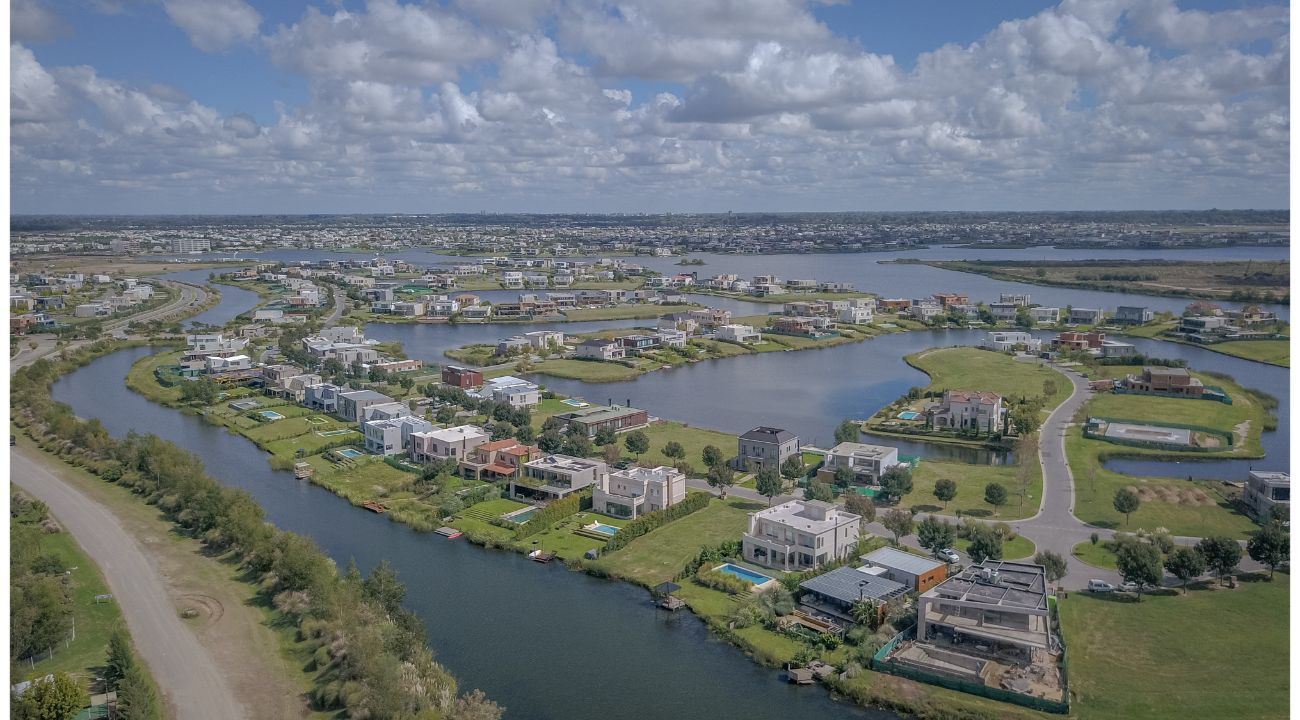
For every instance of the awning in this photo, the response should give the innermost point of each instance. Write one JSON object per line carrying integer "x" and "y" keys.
{"x": 500, "y": 469}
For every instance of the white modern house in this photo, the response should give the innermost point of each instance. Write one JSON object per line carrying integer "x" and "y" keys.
{"x": 739, "y": 333}
{"x": 1265, "y": 491}
{"x": 635, "y": 491}
{"x": 510, "y": 389}
{"x": 456, "y": 443}
{"x": 1007, "y": 340}
{"x": 392, "y": 436}
{"x": 856, "y": 315}
{"x": 868, "y": 462}
{"x": 601, "y": 349}
{"x": 800, "y": 535}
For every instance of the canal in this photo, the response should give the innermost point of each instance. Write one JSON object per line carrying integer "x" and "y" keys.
{"x": 546, "y": 643}
{"x": 233, "y": 300}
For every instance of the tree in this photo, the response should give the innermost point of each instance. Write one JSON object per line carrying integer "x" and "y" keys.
{"x": 898, "y": 522}
{"x": 550, "y": 441}
{"x": 1139, "y": 563}
{"x": 674, "y": 450}
{"x": 59, "y": 698}
{"x": 895, "y": 482}
{"x": 846, "y": 432}
{"x": 1053, "y": 564}
{"x": 711, "y": 456}
{"x": 1221, "y": 555}
{"x": 867, "y": 612}
{"x": 861, "y": 505}
{"x": 578, "y": 444}
{"x": 844, "y": 476}
{"x": 120, "y": 658}
{"x": 446, "y": 414}
{"x": 637, "y": 442}
{"x": 1270, "y": 546}
{"x": 525, "y": 433}
{"x": 721, "y": 476}
{"x": 793, "y": 469}
{"x": 136, "y": 699}
{"x": 819, "y": 491}
{"x": 606, "y": 436}
{"x": 945, "y": 490}
{"x": 934, "y": 535}
{"x": 1126, "y": 502}
{"x": 1185, "y": 564}
{"x": 384, "y": 587}
{"x": 995, "y": 494}
{"x": 985, "y": 543}
{"x": 768, "y": 484}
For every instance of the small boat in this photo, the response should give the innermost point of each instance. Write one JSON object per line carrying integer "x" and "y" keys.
{"x": 373, "y": 506}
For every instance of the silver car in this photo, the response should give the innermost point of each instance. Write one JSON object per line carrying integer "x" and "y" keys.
{"x": 948, "y": 555}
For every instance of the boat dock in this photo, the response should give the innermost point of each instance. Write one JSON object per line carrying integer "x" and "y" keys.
{"x": 450, "y": 533}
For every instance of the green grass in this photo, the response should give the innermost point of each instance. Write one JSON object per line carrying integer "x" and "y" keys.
{"x": 660, "y": 554}
{"x": 1273, "y": 352}
{"x": 624, "y": 312}
{"x": 1149, "y": 330}
{"x": 562, "y": 540}
{"x": 1217, "y": 415}
{"x": 692, "y": 439}
{"x": 586, "y": 370}
{"x": 1210, "y": 654}
{"x": 475, "y": 355}
{"x": 971, "y": 480}
{"x": 475, "y": 518}
{"x": 1098, "y": 555}
{"x": 1016, "y": 549}
{"x": 967, "y": 368}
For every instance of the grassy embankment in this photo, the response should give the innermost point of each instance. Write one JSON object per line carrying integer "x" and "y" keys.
{"x": 1196, "y": 508}
{"x": 1214, "y": 653}
{"x": 1272, "y": 352}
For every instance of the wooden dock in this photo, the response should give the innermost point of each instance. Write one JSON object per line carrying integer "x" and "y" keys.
{"x": 541, "y": 556}
{"x": 450, "y": 533}
{"x": 375, "y": 507}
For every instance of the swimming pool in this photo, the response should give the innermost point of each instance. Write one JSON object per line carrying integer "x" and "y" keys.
{"x": 603, "y": 528}
{"x": 909, "y": 415}
{"x": 743, "y": 573}
{"x": 332, "y": 433}
{"x": 271, "y": 415}
{"x": 349, "y": 453}
{"x": 574, "y": 403}
{"x": 521, "y": 516}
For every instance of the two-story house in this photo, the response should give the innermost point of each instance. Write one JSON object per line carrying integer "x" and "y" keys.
{"x": 455, "y": 443}
{"x": 635, "y": 491}
{"x": 868, "y": 462}
{"x": 800, "y": 535}
{"x": 765, "y": 447}
{"x": 968, "y": 410}
{"x": 553, "y": 477}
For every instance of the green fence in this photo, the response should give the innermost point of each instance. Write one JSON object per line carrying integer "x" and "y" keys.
{"x": 1218, "y": 394}
{"x": 880, "y": 664}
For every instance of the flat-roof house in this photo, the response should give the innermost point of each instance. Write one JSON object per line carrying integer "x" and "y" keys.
{"x": 392, "y": 436}
{"x": 1006, "y": 340}
{"x": 553, "y": 477}
{"x": 765, "y": 447}
{"x": 635, "y": 491}
{"x": 322, "y": 396}
{"x": 1131, "y": 315}
{"x": 916, "y": 572}
{"x": 601, "y": 349}
{"x": 968, "y": 410}
{"x": 592, "y": 419}
{"x": 385, "y": 411}
{"x": 800, "y": 535}
{"x": 1004, "y": 311}
{"x": 739, "y": 333}
{"x": 1172, "y": 381}
{"x": 1080, "y": 341}
{"x": 351, "y": 404}
{"x": 456, "y": 443}
{"x": 996, "y": 604}
{"x": 830, "y": 597}
{"x": 1086, "y": 316}
{"x": 460, "y": 377}
{"x": 1045, "y": 314}
{"x": 510, "y": 389}
{"x": 856, "y": 315}
{"x": 868, "y": 462}
{"x": 637, "y": 344}
{"x": 1266, "y": 491}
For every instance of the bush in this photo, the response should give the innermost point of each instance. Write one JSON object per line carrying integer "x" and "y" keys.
{"x": 657, "y": 519}
{"x": 719, "y": 580}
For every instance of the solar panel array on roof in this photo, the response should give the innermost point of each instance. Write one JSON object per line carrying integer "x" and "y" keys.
{"x": 848, "y": 585}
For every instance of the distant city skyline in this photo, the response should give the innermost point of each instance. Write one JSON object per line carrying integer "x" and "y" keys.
{"x": 558, "y": 106}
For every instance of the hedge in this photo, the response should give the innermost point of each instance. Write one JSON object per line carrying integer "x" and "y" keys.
{"x": 657, "y": 519}
{"x": 553, "y": 513}
{"x": 719, "y": 580}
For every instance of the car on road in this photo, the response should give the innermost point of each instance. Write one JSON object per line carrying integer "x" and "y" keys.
{"x": 948, "y": 555}
{"x": 1100, "y": 586}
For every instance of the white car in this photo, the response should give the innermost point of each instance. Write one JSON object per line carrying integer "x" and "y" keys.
{"x": 948, "y": 554}
{"x": 1129, "y": 586}
{"x": 1100, "y": 586}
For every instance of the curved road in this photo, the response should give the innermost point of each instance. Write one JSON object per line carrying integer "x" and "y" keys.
{"x": 184, "y": 669}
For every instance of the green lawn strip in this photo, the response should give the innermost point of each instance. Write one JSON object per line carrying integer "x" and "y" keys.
{"x": 141, "y": 379}
{"x": 473, "y": 354}
{"x": 971, "y": 481}
{"x": 1017, "y": 549}
{"x": 562, "y": 539}
{"x": 660, "y": 554}
{"x": 966, "y": 368}
{"x": 476, "y": 518}
{"x": 1096, "y": 555}
{"x": 1273, "y": 352}
{"x": 366, "y": 478}
{"x": 624, "y": 312}
{"x": 1214, "y": 653}
{"x": 586, "y": 370}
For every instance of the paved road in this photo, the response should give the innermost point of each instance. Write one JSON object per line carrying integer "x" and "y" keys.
{"x": 183, "y": 668}
{"x": 340, "y": 305}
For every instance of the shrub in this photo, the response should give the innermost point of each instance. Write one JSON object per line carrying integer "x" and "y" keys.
{"x": 719, "y": 580}
{"x": 657, "y": 519}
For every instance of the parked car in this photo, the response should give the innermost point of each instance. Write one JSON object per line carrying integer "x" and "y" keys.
{"x": 1129, "y": 586}
{"x": 1100, "y": 586}
{"x": 948, "y": 555}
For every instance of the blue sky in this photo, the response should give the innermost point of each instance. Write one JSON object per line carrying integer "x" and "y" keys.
{"x": 667, "y": 105}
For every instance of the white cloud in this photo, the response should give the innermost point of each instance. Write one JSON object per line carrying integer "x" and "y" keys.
{"x": 31, "y": 22}
{"x": 214, "y": 25}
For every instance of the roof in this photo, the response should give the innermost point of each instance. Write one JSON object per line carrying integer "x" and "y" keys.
{"x": 452, "y": 434}
{"x": 1160, "y": 370}
{"x": 599, "y": 413}
{"x": 984, "y": 398}
{"x": 900, "y": 560}
{"x": 848, "y": 585}
{"x": 1015, "y": 586}
{"x": 498, "y": 445}
{"x": 763, "y": 433}
{"x": 366, "y": 395}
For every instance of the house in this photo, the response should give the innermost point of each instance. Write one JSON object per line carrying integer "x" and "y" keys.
{"x": 868, "y": 462}
{"x": 1266, "y": 492}
{"x": 322, "y": 396}
{"x": 1086, "y": 316}
{"x": 601, "y": 349}
{"x": 948, "y": 300}
{"x": 235, "y": 363}
{"x": 893, "y": 305}
{"x": 497, "y": 460}
{"x": 765, "y": 447}
{"x": 1115, "y": 348}
{"x": 1201, "y": 324}
{"x": 352, "y": 404}
{"x": 455, "y": 443}
{"x": 830, "y": 596}
{"x": 392, "y": 436}
{"x": 1132, "y": 315}
{"x": 804, "y": 326}
{"x": 671, "y": 338}
{"x": 1078, "y": 341}
{"x": 553, "y": 477}
{"x": 1169, "y": 381}
{"x": 997, "y": 607}
{"x": 1007, "y": 340}
{"x": 918, "y": 573}
{"x": 637, "y": 344}
{"x": 636, "y": 491}
{"x": 856, "y": 315}
{"x": 592, "y": 420}
{"x": 1004, "y": 311}
{"x": 1014, "y": 299}
{"x": 800, "y": 535}
{"x": 460, "y": 377}
{"x": 510, "y": 389}
{"x": 739, "y": 333}
{"x": 968, "y": 410}
{"x": 924, "y": 310}
{"x": 1049, "y": 315}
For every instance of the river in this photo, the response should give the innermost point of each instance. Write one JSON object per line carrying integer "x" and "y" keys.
{"x": 542, "y": 641}
{"x": 233, "y": 300}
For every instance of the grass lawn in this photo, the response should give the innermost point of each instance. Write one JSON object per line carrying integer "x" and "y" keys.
{"x": 1274, "y": 352}
{"x": 1149, "y": 330}
{"x": 562, "y": 539}
{"x": 586, "y": 370}
{"x": 692, "y": 439}
{"x": 1227, "y": 418}
{"x": 968, "y": 368}
{"x": 140, "y": 378}
{"x": 1098, "y": 556}
{"x": 971, "y": 480}
{"x": 475, "y": 355}
{"x": 369, "y": 478}
{"x": 1210, "y": 654}
{"x": 660, "y": 554}
{"x": 475, "y": 518}
{"x": 624, "y": 312}
{"x": 1017, "y": 549}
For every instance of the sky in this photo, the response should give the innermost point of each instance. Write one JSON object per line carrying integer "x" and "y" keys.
{"x": 382, "y": 106}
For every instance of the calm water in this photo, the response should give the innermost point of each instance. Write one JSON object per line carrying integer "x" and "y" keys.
{"x": 233, "y": 300}
{"x": 546, "y": 643}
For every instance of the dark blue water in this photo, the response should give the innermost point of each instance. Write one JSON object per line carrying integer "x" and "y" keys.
{"x": 233, "y": 300}
{"x": 547, "y": 643}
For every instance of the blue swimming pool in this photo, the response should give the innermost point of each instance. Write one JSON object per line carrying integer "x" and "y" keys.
{"x": 743, "y": 574}
{"x": 603, "y": 528}
{"x": 271, "y": 415}
{"x": 522, "y": 516}
{"x": 349, "y": 453}
{"x": 909, "y": 415}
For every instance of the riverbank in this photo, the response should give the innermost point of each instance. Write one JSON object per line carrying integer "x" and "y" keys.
{"x": 1247, "y": 281}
